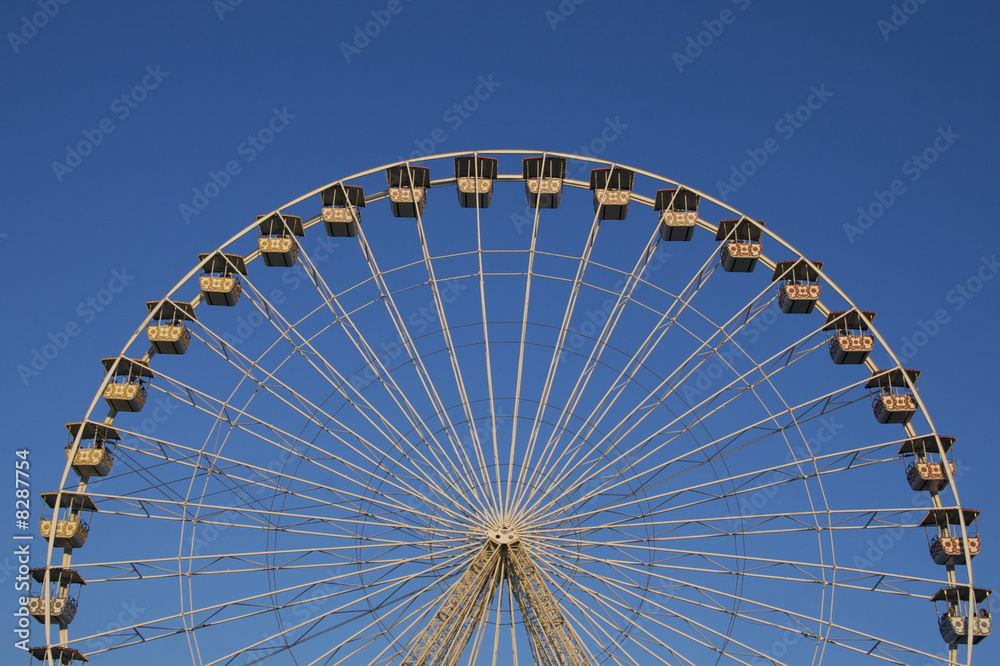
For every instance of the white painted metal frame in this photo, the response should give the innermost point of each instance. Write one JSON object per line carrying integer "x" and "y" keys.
{"x": 380, "y": 477}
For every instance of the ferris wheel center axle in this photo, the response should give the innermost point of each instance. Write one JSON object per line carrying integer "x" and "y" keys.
{"x": 502, "y": 536}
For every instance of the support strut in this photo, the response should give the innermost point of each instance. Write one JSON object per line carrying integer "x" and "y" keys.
{"x": 502, "y": 558}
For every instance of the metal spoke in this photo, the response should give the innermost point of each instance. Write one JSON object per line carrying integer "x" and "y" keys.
{"x": 613, "y": 454}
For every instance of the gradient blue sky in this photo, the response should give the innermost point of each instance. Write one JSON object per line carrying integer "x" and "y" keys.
{"x": 903, "y": 124}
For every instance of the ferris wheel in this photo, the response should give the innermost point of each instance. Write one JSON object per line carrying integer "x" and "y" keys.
{"x": 593, "y": 423}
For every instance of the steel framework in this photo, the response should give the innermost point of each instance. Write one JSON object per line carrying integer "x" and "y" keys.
{"x": 510, "y": 437}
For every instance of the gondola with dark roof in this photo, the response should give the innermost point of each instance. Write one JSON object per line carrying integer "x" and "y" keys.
{"x": 892, "y": 399}
{"x": 69, "y": 519}
{"x": 543, "y": 180}
{"x": 612, "y": 192}
{"x": 677, "y": 210}
{"x": 59, "y": 605}
{"x": 341, "y": 209}
{"x": 798, "y": 285}
{"x": 474, "y": 178}
{"x": 848, "y": 338}
{"x": 57, "y": 654}
{"x": 741, "y": 246}
{"x": 947, "y": 545}
{"x": 126, "y": 388}
{"x": 220, "y": 278}
{"x": 924, "y": 468}
{"x": 96, "y": 453}
{"x": 275, "y": 239}
{"x": 408, "y": 187}
{"x": 960, "y": 605}
{"x": 167, "y": 330}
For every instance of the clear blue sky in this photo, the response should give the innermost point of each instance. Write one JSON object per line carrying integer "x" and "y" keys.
{"x": 136, "y": 135}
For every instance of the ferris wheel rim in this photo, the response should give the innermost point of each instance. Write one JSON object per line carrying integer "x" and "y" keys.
{"x": 316, "y": 220}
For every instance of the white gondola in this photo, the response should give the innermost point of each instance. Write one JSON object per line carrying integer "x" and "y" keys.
{"x": 69, "y": 519}
{"x": 947, "y": 545}
{"x": 741, "y": 246}
{"x": 923, "y": 471}
{"x": 612, "y": 192}
{"x": 961, "y": 605}
{"x": 798, "y": 285}
{"x": 96, "y": 452}
{"x": 892, "y": 399}
{"x": 276, "y": 241}
{"x": 847, "y": 336}
{"x": 220, "y": 278}
{"x": 126, "y": 388}
{"x": 677, "y": 210}
{"x": 167, "y": 331}
{"x": 341, "y": 210}
{"x": 408, "y": 189}
{"x": 60, "y": 604}
{"x": 543, "y": 180}
{"x": 474, "y": 178}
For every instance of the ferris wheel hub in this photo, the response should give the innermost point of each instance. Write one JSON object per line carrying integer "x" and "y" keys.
{"x": 502, "y": 536}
